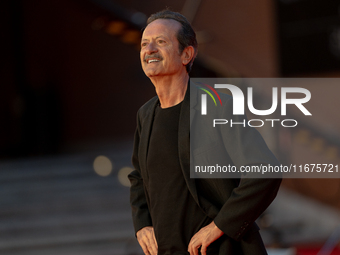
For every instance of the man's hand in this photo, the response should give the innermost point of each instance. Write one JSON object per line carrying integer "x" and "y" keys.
{"x": 147, "y": 240}
{"x": 204, "y": 238}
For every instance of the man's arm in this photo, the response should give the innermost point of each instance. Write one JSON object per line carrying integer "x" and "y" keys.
{"x": 248, "y": 201}
{"x": 245, "y": 146}
{"x": 141, "y": 216}
{"x": 140, "y": 211}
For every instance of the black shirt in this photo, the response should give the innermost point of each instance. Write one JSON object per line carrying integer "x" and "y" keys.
{"x": 175, "y": 215}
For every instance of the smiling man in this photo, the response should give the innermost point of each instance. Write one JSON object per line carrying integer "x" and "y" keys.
{"x": 164, "y": 60}
{"x": 172, "y": 214}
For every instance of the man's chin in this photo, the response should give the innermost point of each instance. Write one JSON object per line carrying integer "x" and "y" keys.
{"x": 151, "y": 74}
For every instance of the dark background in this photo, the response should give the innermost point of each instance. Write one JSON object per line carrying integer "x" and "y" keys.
{"x": 71, "y": 84}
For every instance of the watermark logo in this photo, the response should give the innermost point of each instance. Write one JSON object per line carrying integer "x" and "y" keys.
{"x": 239, "y": 103}
{"x": 204, "y": 97}
{"x": 238, "y": 100}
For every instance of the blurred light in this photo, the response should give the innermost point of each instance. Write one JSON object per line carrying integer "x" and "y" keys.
{"x": 116, "y": 27}
{"x": 131, "y": 37}
{"x": 102, "y": 166}
{"x": 122, "y": 176}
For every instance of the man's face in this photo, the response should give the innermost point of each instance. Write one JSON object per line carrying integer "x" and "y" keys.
{"x": 159, "y": 49}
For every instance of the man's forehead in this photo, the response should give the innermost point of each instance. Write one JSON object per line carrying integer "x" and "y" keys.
{"x": 159, "y": 27}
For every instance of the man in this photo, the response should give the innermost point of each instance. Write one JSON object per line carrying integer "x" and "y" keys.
{"x": 172, "y": 213}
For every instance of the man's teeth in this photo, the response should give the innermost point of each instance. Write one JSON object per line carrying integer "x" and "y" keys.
{"x": 153, "y": 60}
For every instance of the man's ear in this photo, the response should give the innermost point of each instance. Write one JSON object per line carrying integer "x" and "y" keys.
{"x": 187, "y": 55}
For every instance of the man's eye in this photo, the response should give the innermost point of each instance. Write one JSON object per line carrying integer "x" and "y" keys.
{"x": 161, "y": 41}
{"x": 143, "y": 44}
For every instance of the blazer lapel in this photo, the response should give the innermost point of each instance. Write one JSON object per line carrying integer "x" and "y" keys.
{"x": 185, "y": 119}
{"x": 192, "y": 101}
{"x": 145, "y": 134}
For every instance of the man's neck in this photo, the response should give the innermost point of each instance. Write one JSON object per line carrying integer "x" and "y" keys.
{"x": 170, "y": 90}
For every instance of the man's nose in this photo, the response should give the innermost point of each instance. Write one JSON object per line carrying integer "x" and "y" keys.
{"x": 151, "y": 48}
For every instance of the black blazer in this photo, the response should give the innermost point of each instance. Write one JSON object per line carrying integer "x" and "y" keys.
{"x": 233, "y": 204}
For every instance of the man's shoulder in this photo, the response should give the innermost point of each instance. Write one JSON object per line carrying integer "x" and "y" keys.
{"x": 147, "y": 108}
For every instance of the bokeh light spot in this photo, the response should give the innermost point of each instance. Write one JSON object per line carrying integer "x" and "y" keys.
{"x": 102, "y": 165}
{"x": 122, "y": 176}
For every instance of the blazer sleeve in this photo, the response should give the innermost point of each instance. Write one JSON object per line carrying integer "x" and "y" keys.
{"x": 248, "y": 201}
{"x": 140, "y": 211}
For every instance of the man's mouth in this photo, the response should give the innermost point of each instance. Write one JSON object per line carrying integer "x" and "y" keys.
{"x": 152, "y": 60}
